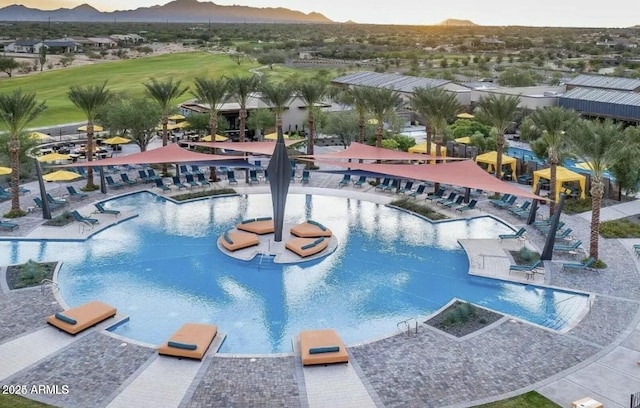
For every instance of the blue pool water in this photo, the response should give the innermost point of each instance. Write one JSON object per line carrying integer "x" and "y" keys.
{"x": 527, "y": 155}
{"x": 163, "y": 268}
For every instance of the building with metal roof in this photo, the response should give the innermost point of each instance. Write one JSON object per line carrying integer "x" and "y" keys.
{"x": 604, "y": 82}
{"x": 603, "y": 103}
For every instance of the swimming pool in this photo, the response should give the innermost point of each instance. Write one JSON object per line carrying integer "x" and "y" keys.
{"x": 528, "y": 156}
{"x": 163, "y": 268}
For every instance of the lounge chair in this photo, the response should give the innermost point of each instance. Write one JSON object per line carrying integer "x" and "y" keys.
{"x": 77, "y": 319}
{"x": 4, "y": 195}
{"x": 525, "y": 179}
{"x": 506, "y": 204}
{"x": 160, "y": 184}
{"x": 569, "y": 248}
{"x": 384, "y": 184}
{"x": 266, "y": 176}
{"x": 191, "y": 181}
{"x": 233, "y": 241}
{"x": 231, "y": 177}
{"x": 305, "y": 247}
{"x": 126, "y": 180}
{"x": 564, "y": 234}
{"x": 40, "y": 205}
{"x": 82, "y": 172}
{"x": 153, "y": 176}
{"x": 454, "y": 204}
{"x": 183, "y": 170}
{"x": 81, "y": 218}
{"x": 112, "y": 169}
{"x": 200, "y": 178}
{"x": 143, "y": 176}
{"x": 451, "y": 197}
{"x": 587, "y": 264}
{"x": 260, "y": 226}
{"x": 73, "y": 193}
{"x": 520, "y": 208}
{"x": 112, "y": 183}
{"x": 5, "y": 225}
{"x": 192, "y": 340}
{"x": 500, "y": 200}
{"x": 55, "y": 201}
{"x": 636, "y": 248}
{"x": 528, "y": 269}
{"x": 195, "y": 170}
{"x": 102, "y": 210}
{"x": 361, "y": 180}
{"x": 519, "y": 234}
{"x": 21, "y": 190}
{"x": 253, "y": 177}
{"x": 305, "y": 177}
{"x": 322, "y": 347}
{"x": 178, "y": 183}
{"x": 346, "y": 179}
{"x": 436, "y": 195}
{"x": 310, "y": 229}
{"x": 470, "y": 206}
{"x": 545, "y": 229}
{"x": 419, "y": 191}
{"x": 407, "y": 188}
{"x": 392, "y": 187}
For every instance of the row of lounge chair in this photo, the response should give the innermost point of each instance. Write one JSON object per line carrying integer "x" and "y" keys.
{"x": 193, "y": 340}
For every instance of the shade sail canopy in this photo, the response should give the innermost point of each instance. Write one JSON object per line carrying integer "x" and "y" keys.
{"x": 359, "y": 151}
{"x": 4, "y": 171}
{"x": 563, "y": 175}
{"x": 96, "y": 128}
{"x": 274, "y": 136}
{"x": 461, "y": 173}
{"x": 61, "y": 175}
{"x": 39, "y": 136}
{"x": 490, "y": 158}
{"x": 421, "y": 148}
{"x": 116, "y": 140}
{"x": 168, "y": 154}
{"x": 465, "y": 116}
{"x": 463, "y": 140}
{"x": 265, "y": 148}
{"x": 51, "y": 157}
{"x": 219, "y": 138}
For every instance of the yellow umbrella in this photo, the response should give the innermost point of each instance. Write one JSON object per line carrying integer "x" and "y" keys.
{"x": 465, "y": 116}
{"x": 463, "y": 140}
{"x": 274, "y": 136}
{"x": 96, "y": 128}
{"x": 176, "y": 117}
{"x": 61, "y": 175}
{"x": 51, "y": 157}
{"x": 219, "y": 138}
{"x": 116, "y": 140}
{"x": 173, "y": 126}
{"x": 372, "y": 121}
{"x": 4, "y": 171}
{"x": 39, "y": 136}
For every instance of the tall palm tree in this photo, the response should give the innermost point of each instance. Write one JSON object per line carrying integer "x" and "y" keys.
{"x": 90, "y": 99}
{"x": 600, "y": 145}
{"x": 165, "y": 94}
{"x": 381, "y": 103}
{"x": 553, "y": 122}
{"x": 438, "y": 107}
{"x": 355, "y": 96}
{"x": 213, "y": 92}
{"x": 312, "y": 92}
{"x": 278, "y": 96}
{"x": 241, "y": 88}
{"x": 17, "y": 110}
{"x": 499, "y": 112}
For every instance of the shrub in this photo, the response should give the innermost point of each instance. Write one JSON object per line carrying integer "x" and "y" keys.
{"x": 575, "y": 206}
{"x": 418, "y": 209}
{"x": 31, "y": 273}
{"x": 525, "y": 256}
{"x": 205, "y": 193}
{"x": 459, "y": 313}
{"x": 15, "y": 214}
{"x": 60, "y": 220}
{"x": 622, "y": 228}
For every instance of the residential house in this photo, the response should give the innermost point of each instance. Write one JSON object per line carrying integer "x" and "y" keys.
{"x": 22, "y": 46}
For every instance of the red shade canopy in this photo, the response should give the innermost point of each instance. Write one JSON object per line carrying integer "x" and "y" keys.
{"x": 359, "y": 151}
{"x": 265, "y": 148}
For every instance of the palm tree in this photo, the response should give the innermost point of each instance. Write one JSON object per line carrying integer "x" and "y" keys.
{"x": 499, "y": 112}
{"x": 600, "y": 145}
{"x": 278, "y": 96}
{"x": 242, "y": 88}
{"x": 438, "y": 107}
{"x": 165, "y": 94}
{"x": 381, "y": 103}
{"x": 553, "y": 122}
{"x": 90, "y": 99}
{"x": 213, "y": 92}
{"x": 312, "y": 92}
{"x": 355, "y": 96}
{"x": 17, "y": 110}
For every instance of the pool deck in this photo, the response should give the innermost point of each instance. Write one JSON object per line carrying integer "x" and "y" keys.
{"x": 598, "y": 357}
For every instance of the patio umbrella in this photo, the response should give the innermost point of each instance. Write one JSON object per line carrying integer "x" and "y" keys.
{"x": 219, "y": 138}
{"x": 463, "y": 140}
{"x": 465, "y": 116}
{"x": 51, "y": 157}
{"x": 176, "y": 117}
{"x": 274, "y": 136}
{"x": 116, "y": 140}
{"x": 96, "y": 128}
{"x": 39, "y": 136}
{"x": 173, "y": 126}
{"x": 4, "y": 171}
{"x": 60, "y": 176}
{"x": 372, "y": 121}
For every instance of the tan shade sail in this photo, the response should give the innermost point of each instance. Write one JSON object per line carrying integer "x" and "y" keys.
{"x": 265, "y": 148}
{"x": 359, "y": 151}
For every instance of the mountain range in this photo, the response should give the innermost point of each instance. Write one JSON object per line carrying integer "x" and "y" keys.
{"x": 182, "y": 11}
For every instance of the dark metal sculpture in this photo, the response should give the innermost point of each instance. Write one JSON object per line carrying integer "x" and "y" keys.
{"x": 46, "y": 210}
{"x": 279, "y": 178}
{"x": 547, "y": 252}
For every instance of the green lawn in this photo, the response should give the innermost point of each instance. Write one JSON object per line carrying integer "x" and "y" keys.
{"x": 129, "y": 75}
{"x": 16, "y": 401}
{"x": 529, "y": 400}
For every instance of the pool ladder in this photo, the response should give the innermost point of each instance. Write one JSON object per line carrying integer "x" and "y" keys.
{"x": 407, "y": 326}
{"x": 48, "y": 282}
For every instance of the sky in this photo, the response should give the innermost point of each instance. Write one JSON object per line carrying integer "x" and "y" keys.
{"x": 558, "y": 13}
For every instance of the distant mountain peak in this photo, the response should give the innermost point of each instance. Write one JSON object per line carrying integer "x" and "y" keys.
{"x": 457, "y": 22}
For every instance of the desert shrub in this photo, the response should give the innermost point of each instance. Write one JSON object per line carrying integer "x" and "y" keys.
{"x": 620, "y": 229}
{"x": 413, "y": 206}
{"x": 204, "y": 193}
{"x": 575, "y": 206}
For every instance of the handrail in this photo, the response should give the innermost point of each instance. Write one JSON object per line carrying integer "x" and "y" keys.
{"x": 569, "y": 298}
{"x": 45, "y": 282}
{"x": 408, "y": 326}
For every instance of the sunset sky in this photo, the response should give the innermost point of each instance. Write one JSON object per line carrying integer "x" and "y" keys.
{"x": 567, "y": 13}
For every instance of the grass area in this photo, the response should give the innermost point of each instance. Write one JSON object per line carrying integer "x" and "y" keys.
{"x": 576, "y": 206}
{"x": 16, "y": 401}
{"x": 621, "y": 228}
{"x": 129, "y": 75}
{"x": 529, "y": 400}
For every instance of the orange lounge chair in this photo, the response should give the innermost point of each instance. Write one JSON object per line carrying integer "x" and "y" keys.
{"x": 307, "y": 246}
{"x": 77, "y": 319}
{"x": 310, "y": 229}
{"x": 192, "y": 340}
{"x": 258, "y": 226}
{"x": 322, "y": 347}
{"x": 232, "y": 241}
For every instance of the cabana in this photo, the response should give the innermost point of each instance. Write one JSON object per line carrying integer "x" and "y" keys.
{"x": 563, "y": 175}
{"x": 421, "y": 148}
{"x": 491, "y": 158}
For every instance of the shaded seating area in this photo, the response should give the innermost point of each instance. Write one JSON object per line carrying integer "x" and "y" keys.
{"x": 310, "y": 229}
{"x": 192, "y": 340}
{"x": 305, "y": 247}
{"x": 80, "y": 318}
{"x": 563, "y": 175}
{"x": 490, "y": 160}
{"x": 587, "y": 264}
{"x": 322, "y": 347}
{"x": 260, "y": 226}
{"x": 233, "y": 241}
